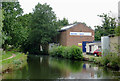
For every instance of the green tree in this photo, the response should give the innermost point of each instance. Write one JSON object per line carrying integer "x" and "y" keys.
{"x": 13, "y": 28}
{"x": 108, "y": 26}
{"x": 86, "y": 25}
{"x": 43, "y": 28}
{"x": 24, "y": 21}
{"x": 63, "y": 22}
{"x": 1, "y": 26}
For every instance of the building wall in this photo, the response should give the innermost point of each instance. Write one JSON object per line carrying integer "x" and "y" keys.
{"x": 119, "y": 11}
{"x": 94, "y": 46}
{"x": 114, "y": 42}
{"x": 63, "y": 38}
{"x": 68, "y": 40}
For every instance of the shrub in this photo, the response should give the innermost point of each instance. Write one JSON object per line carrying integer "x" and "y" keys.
{"x": 73, "y": 52}
{"x": 111, "y": 60}
{"x": 117, "y": 31}
{"x": 57, "y": 51}
{"x": 114, "y": 60}
{"x": 76, "y": 52}
{"x": 66, "y": 53}
{"x": 60, "y": 50}
{"x": 91, "y": 59}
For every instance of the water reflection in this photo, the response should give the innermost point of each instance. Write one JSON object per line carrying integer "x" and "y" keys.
{"x": 45, "y": 67}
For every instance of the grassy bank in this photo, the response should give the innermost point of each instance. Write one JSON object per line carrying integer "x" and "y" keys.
{"x": 110, "y": 60}
{"x": 12, "y": 61}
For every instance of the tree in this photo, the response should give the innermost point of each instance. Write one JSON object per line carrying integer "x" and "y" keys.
{"x": 1, "y": 26}
{"x": 11, "y": 27}
{"x": 86, "y": 25}
{"x": 63, "y": 22}
{"x": 43, "y": 28}
{"x": 108, "y": 26}
{"x": 24, "y": 21}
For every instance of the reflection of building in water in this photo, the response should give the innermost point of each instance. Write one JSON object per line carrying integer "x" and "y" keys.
{"x": 41, "y": 58}
{"x": 65, "y": 73}
{"x": 84, "y": 66}
{"x": 95, "y": 68}
{"x": 87, "y": 72}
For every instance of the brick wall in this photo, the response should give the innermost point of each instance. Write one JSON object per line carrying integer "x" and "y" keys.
{"x": 68, "y": 40}
{"x": 62, "y": 38}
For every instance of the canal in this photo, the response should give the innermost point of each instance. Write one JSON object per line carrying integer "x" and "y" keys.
{"x": 46, "y": 67}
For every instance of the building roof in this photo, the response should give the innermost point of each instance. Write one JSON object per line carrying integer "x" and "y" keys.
{"x": 67, "y": 27}
{"x": 95, "y": 43}
{"x": 70, "y": 26}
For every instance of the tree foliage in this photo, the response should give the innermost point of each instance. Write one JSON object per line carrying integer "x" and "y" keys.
{"x": 43, "y": 27}
{"x": 13, "y": 28}
{"x": 30, "y": 31}
{"x": 63, "y": 22}
{"x": 1, "y": 26}
{"x": 108, "y": 26}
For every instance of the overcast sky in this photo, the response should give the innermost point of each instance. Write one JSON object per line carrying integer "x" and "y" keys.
{"x": 76, "y": 10}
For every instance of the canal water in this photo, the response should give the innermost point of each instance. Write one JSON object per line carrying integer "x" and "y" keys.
{"x": 46, "y": 67}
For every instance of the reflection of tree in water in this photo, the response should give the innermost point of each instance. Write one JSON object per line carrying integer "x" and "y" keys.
{"x": 72, "y": 66}
{"x": 39, "y": 68}
{"x": 110, "y": 72}
{"x": 103, "y": 72}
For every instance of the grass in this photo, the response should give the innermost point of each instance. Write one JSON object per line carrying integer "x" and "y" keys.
{"x": 14, "y": 63}
{"x": 5, "y": 55}
{"x": 90, "y": 57}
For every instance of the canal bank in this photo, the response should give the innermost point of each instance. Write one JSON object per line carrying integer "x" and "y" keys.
{"x": 110, "y": 60}
{"x": 11, "y": 60}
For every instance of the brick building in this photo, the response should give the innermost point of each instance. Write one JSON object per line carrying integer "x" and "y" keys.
{"x": 75, "y": 34}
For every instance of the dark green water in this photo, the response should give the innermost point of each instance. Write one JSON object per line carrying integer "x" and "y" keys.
{"x": 45, "y": 67}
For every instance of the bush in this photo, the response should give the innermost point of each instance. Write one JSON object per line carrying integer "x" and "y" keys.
{"x": 114, "y": 60}
{"x": 73, "y": 52}
{"x": 76, "y": 52}
{"x": 57, "y": 51}
{"x": 110, "y": 60}
{"x": 117, "y": 31}
{"x": 66, "y": 53}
